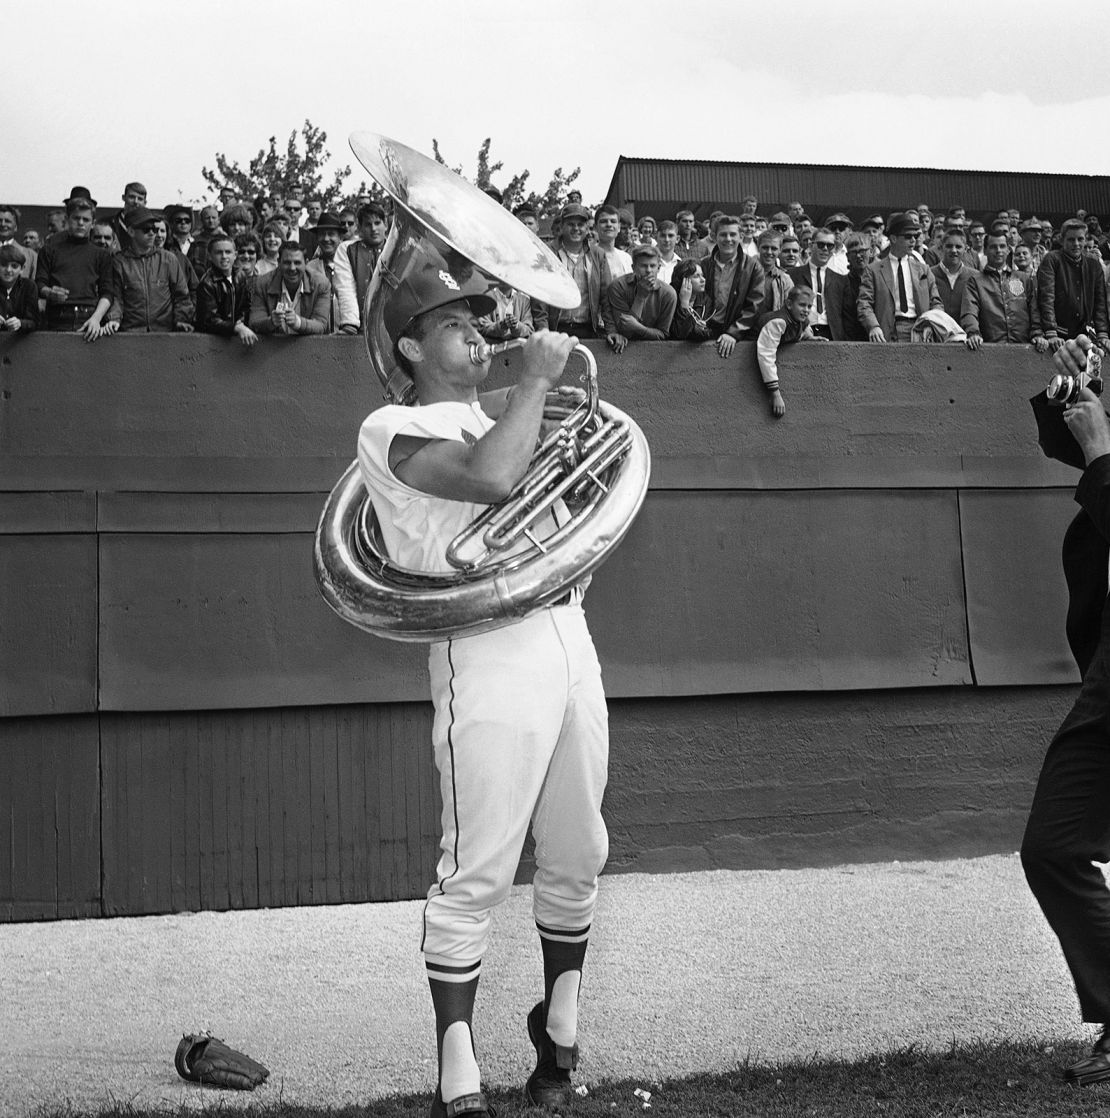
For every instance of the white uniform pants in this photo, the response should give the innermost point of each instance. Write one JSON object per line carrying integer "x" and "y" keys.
{"x": 521, "y": 736}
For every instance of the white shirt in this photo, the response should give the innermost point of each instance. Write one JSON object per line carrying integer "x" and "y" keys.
{"x": 838, "y": 262}
{"x": 667, "y": 267}
{"x": 818, "y": 318}
{"x": 620, "y": 263}
{"x": 416, "y": 527}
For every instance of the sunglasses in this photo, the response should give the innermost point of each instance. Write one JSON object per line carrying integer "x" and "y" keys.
{"x": 183, "y": 220}
{"x": 824, "y": 244}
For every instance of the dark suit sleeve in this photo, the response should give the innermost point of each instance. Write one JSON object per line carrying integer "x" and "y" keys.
{"x": 1046, "y": 294}
{"x": 935, "y": 300}
{"x": 865, "y": 304}
{"x": 834, "y": 304}
{"x": 1100, "y": 323}
{"x": 969, "y": 306}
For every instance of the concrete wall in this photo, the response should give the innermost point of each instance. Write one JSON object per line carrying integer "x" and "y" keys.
{"x": 817, "y": 637}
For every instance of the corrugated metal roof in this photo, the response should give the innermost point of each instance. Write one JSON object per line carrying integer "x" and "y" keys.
{"x": 650, "y": 185}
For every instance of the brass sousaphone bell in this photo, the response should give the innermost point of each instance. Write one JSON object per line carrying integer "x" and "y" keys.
{"x": 596, "y": 460}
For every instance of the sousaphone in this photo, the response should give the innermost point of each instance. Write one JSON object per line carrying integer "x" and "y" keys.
{"x": 595, "y": 460}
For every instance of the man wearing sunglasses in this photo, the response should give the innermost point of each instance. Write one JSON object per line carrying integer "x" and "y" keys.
{"x": 897, "y": 288}
{"x": 821, "y": 280}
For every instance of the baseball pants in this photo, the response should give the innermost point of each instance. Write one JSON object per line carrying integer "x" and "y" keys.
{"x": 521, "y": 738}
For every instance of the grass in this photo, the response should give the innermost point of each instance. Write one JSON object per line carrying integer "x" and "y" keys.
{"x": 966, "y": 1081}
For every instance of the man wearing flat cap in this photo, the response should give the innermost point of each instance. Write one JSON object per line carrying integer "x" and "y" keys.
{"x": 898, "y": 288}
{"x": 150, "y": 291}
{"x": 590, "y": 271}
{"x": 840, "y": 225}
{"x": 640, "y": 306}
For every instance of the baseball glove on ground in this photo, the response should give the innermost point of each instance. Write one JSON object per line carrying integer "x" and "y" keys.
{"x": 203, "y": 1058}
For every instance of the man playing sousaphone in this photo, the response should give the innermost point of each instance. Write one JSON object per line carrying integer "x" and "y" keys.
{"x": 521, "y": 728}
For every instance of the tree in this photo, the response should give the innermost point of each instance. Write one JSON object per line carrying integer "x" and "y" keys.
{"x": 513, "y": 194}
{"x": 294, "y": 170}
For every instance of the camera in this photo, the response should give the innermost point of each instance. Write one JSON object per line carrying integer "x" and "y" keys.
{"x": 1063, "y": 390}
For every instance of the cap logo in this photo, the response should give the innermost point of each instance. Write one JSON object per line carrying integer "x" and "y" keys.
{"x": 449, "y": 280}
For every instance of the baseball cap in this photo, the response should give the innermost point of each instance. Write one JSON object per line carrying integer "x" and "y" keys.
{"x": 142, "y": 216}
{"x": 573, "y": 209}
{"x": 1031, "y": 223}
{"x": 433, "y": 280}
{"x": 839, "y": 220}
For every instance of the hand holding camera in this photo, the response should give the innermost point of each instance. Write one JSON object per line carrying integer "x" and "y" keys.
{"x": 1077, "y": 388}
{"x": 1080, "y": 365}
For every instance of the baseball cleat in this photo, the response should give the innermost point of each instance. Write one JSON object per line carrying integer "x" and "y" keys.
{"x": 1093, "y": 1068}
{"x": 473, "y": 1106}
{"x": 549, "y": 1085}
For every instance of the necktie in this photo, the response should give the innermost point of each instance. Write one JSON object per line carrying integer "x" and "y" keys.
{"x": 903, "y": 301}
{"x": 820, "y": 295}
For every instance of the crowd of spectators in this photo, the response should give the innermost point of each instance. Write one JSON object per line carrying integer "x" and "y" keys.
{"x": 284, "y": 265}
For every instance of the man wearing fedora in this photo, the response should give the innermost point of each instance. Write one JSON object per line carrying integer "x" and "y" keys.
{"x": 344, "y": 309}
{"x": 897, "y": 288}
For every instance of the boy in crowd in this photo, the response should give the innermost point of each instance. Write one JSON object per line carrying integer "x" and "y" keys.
{"x": 640, "y": 307}
{"x": 666, "y": 237}
{"x": 223, "y": 302}
{"x": 776, "y": 282}
{"x": 74, "y": 276}
{"x": 19, "y": 298}
{"x": 784, "y": 327}
{"x": 952, "y": 273}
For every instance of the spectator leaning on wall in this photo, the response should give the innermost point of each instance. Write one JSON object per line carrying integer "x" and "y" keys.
{"x": 290, "y": 300}
{"x": 640, "y": 305}
{"x": 1071, "y": 290}
{"x": 895, "y": 290}
{"x": 149, "y": 290}
{"x": 1000, "y": 303}
{"x": 733, "y": 288}
{"x": 74, "y": 276}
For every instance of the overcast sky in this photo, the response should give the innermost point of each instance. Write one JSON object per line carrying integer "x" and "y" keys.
{"x": 117, "y": 91}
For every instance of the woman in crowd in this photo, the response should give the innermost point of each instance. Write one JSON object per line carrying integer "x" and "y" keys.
{"x": 248, "y": 253}
{"x": 272, "y": 236}
{"x": 689, "y": 323}
{"x": 237, "y": 219}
